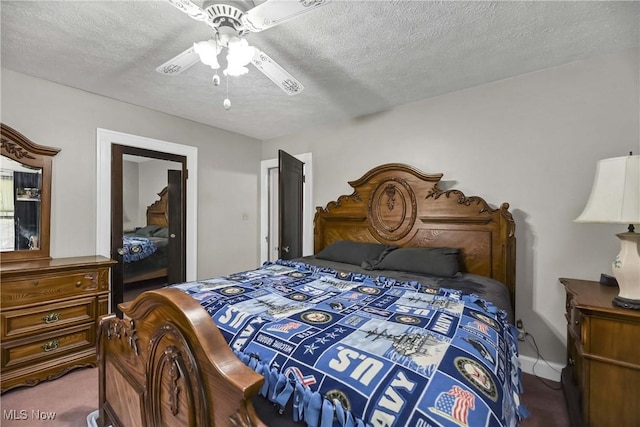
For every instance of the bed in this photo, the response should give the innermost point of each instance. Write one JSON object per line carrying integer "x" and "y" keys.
{"x": 146, "y": 248}
{"x": 384, "y": 336}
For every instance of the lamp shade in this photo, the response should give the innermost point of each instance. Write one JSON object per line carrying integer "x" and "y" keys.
{"x": 615, "y": 196}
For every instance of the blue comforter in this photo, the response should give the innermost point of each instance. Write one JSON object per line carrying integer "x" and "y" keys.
{"x": 136, "y": 248}
{"x": 349, "y": 349}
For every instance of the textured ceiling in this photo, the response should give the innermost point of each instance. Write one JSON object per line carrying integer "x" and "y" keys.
{"x": 353, "y": 57}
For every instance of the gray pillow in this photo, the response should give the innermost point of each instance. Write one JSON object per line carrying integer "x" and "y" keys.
{"x": 433, "y": 261}
{"x": 147, "y": 231}
{"x": 161, "y": 232}
{"x": 356, "y": 253}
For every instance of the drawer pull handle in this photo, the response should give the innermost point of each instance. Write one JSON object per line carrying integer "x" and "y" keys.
{"x": 577, "y": 322}
{"x": 78, "y": 283}
{"x": 52, "y": 317}
{"x": 50, "y": 345}
{"x": 35, "y": 283}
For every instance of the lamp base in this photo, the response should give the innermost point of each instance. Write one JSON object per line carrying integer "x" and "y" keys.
{"x": 633, "y": 304}
{"x": 626, "y": 269}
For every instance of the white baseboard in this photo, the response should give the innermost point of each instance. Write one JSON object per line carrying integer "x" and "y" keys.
{"x": 547, "y": 370}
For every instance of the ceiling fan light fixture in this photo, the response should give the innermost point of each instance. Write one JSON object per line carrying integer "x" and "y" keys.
{"x": 235, "y": 71}
{"x": 208, "y": 52}
{"x": 240, "y": 54}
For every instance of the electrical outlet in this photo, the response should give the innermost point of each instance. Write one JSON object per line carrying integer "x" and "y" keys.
{"x": 521, "y": 331}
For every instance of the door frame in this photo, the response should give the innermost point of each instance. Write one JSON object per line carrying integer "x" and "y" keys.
{"x": 104, "y": 140}
{"x": 307, "y": 208}
{"x": 175, "y": 214}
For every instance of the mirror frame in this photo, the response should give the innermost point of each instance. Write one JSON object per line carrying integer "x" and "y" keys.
{"x": 16, "y": 146}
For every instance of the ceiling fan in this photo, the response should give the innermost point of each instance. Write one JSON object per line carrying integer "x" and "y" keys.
{"x": 231, "y": 21}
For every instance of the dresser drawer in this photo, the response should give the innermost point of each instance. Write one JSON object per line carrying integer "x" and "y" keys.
{"x": 16, "y": 323}
{"x": 40, "y": 348}
{"x": 48, "y": 288}
{"x": 615, "y": 340}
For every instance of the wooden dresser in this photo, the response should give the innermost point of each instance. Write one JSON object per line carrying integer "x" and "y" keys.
{"x": 602, "y": 379}
{"x": 49, "y": 315}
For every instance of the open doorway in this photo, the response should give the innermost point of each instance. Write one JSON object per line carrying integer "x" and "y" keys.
{"x": 145, "y": 224}
{"x": 106, "y": 140}
{"x": 269, "y": 208}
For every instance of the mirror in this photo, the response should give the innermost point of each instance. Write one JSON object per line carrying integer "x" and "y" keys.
{"x": 20, "y": 188}
{"x": 25, "y": 197}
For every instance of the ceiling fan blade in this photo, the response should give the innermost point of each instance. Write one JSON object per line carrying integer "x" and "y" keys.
{"x": 178, "y": 64}
{"x": 191, "y": 9}
{"x": 276, "y": 73}
{"x": 275, "y": 12}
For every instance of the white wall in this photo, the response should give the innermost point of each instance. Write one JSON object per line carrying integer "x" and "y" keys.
{"x": 130, "y": 196}
{"x": 228, "y": 167}
{"x": 532, "y": 141}
{"x": 142, "y": 181}
{"x": 152, "y": 180}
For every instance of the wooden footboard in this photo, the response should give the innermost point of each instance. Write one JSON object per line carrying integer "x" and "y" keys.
{"x": 167, "y": 364}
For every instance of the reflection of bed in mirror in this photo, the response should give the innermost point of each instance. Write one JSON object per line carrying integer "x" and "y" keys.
{"x": 146, "y": 248}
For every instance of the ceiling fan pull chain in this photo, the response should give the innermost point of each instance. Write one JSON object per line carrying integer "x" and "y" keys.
{"x": 227, "y": 103}
{"x": 216, "y": 77}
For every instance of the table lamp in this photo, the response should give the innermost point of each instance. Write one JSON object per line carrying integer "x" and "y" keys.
{"x": 615, "y": 198}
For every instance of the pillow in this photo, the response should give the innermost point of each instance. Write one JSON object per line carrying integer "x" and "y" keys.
{"x": 161, "y": 232}
{"x": 355, "y": 253}
{"x": 147, "y": 231}
{"x": 434, "y": 261}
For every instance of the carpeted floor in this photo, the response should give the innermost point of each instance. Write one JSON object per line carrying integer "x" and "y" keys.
{"x": 74, "y": 396}
{"x": 70, "y": 398}
{"x": 545, "y": 402}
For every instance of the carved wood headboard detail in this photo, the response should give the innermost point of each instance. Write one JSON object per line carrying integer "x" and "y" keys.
{"x": 399, "y": 205}
{"x": 157, "y": 213}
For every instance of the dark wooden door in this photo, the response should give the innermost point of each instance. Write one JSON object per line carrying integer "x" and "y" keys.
{"x": 290, "y": 198}
{"x": 176, "y": 218}
{"x": 117, "y": 271}
{"x": 176, "y": 270}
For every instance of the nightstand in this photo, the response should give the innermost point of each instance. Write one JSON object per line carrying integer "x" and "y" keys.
{"x": 602, "y": 379}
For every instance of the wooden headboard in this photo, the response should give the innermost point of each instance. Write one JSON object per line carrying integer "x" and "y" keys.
{"x": 157, "y": 213}
{"x": 397, "y": 204}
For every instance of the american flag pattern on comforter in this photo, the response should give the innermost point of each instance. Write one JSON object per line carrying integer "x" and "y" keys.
{"x": 352, "y": 350}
